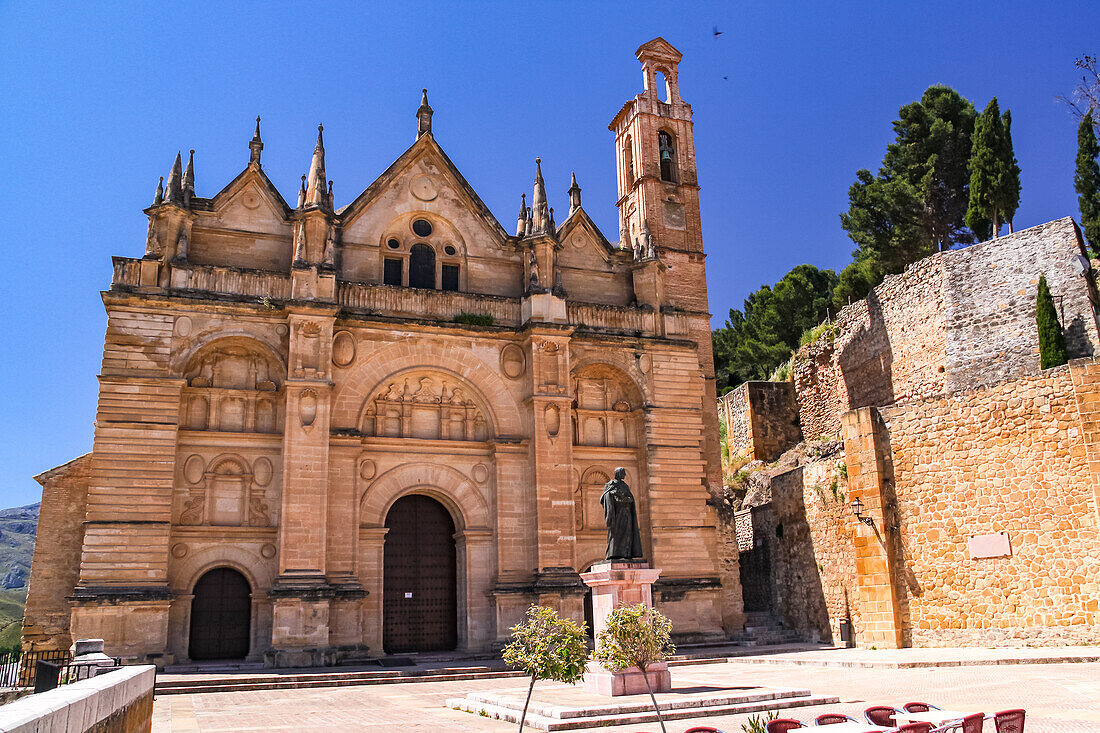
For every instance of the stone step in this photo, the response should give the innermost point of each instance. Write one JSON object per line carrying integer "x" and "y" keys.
{"x": 636, "y": 716}
{"x": 294, "y": 682}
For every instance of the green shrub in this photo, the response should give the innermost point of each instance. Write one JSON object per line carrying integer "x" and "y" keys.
{"x": 473, "y": 319}
{"x": 547, "y": 647}
{"x": 1052, "y": 340}
{"x": 636, "y": 636}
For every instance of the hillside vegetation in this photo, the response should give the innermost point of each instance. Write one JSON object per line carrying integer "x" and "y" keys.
{"x": 17, "y": 531}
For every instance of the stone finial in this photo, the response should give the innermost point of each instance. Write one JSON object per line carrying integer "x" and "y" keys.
{"x": 329, "y": 194}
{"x": 540, "y": 211}
{"x": 423, "y": 116}
{"x": 300, "y": 246}
{"x": 329, "y": 259}
{"x": 255, "y": 146}
{"x": 521, "y": 220}
{"x": 574, "y": 195}
{"x": 174, "y": 192}
{"x": 302, "y": 193}
{"x": 158, "y": 197}
{"x": 189, "y": 180}
{"x": 315, "y": 182}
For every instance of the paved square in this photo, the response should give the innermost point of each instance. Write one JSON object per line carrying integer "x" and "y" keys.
{"x": 1058, "y": 697}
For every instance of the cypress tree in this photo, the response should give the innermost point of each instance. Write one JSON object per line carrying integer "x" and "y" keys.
{"x": 987, "y": 173}
{"x": 1087, "y": 182}
{"x": 1008, "y": 190}
{"x": 1052, "y": 340}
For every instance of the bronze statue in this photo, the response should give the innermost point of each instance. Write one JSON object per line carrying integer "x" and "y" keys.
{"x": 621, "y": 516}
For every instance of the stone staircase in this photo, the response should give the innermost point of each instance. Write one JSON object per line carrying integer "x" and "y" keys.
{"x": 762, "y": 628}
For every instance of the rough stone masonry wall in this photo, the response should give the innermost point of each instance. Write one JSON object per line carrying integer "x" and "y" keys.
{"x": 56, "y": 563}
{"x": 1011, "y": 457}
{"x": 761, "y": 419}
{"x": 734, "y": 406}
{"x": 953, "y": 321}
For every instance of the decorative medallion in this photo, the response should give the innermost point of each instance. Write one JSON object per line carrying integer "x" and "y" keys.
{"x": 512, "y": 361}
{"x": 481, "y": 473}
{"x": 367, "y": 469}
{"x": 281, "y": 329}
{"x": 262, "y": 471}
{"x": 268, "y": 550}
{"x": 423, "y": 187}
{"x": 193, "y": 469}
{"x": 179, "y": 550}
{"x": 307, "y": 408}
{"x": 644, "y": 362}
{"x": 250, "y": 200}
{"x": 183, "y": 326}
{"x": 343, "y": 349}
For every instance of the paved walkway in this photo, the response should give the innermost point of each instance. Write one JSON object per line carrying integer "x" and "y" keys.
{"x": 1063, "y": 697}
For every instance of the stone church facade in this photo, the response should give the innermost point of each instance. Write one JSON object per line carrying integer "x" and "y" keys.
{"x": 327, "y": 433}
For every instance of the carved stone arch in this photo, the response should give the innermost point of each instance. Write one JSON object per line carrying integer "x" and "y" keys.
{"x": 627, "y": 366}
{"x": 234, "y": 384}
{"x": 257, "y": 570}
{"x": 459, "y": 409}
{"x": 224, "y": 458}
{"x": 504, "y": 414}
{"x": 451, "y": 487}
{"x": 183, "y": 359}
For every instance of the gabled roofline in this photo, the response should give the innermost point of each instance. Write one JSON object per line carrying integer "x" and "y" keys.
{"x": 580, "y": 217}
{"x": 279, "y": 200}
{"x": 427, "y": 140}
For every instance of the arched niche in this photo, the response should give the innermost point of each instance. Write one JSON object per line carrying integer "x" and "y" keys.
{"x": 227, "y": 496}
{"x": 607, "y": 407}
{"x": 422, "y": 239}
{"x": 428, "y": 404}
{"x": 235, "y": 385}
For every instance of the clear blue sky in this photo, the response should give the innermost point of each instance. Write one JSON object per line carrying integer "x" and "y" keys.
{"x": 789, "y": 102}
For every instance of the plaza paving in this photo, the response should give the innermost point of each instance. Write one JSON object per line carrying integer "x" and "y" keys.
{"x": 1059, "y": 696}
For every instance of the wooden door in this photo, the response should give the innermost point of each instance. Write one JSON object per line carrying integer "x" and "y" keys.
{"x": 419, "y": 582}
{"x": 221, "y": 616}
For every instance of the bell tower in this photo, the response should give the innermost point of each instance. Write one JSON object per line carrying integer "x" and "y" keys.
{"x": 659, "y": 213}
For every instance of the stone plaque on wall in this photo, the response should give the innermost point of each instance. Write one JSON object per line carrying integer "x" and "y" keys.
{"x": 989, "y": 545}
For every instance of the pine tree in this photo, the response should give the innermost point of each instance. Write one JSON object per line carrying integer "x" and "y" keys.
{"x": 1052, "y": 340}
{"x": 987, "y": 173}
{"x": 1087, "y": 182}
{"x": 1008, "y": 189}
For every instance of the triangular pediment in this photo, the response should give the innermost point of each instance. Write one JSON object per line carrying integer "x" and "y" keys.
{"x": 427, "y": 173}
{"x": 580, "y": 232}
{"x": 250, "y": 201}
{"x": 658, "y": 48}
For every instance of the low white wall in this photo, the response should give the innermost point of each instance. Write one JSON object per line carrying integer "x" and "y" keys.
{"x": 98, "y": 704}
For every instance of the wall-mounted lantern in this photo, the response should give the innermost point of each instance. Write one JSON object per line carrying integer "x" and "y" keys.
{"x": 857, "y": 509}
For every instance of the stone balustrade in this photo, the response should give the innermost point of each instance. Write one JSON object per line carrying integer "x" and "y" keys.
{"x": 389, "y": 300}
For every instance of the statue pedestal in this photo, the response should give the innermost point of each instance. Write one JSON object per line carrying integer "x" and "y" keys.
{"x": 617, "y": 584}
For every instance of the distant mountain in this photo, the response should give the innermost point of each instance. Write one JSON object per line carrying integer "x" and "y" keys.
{"x": 17, "y": 530}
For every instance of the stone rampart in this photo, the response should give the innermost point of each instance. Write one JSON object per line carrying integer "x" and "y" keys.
{"x": 943, "y": 478}
{"x": 116, "y": 702}
{"x": 761, "y": 419}
{"x": 953, "y": 321}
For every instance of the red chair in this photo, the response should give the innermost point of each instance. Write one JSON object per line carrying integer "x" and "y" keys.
{"x": 833, "y": 718}
{"x": 1009, "y": 721}
{"x": 918, "y": 707}
{"x": 881, "y": 715}
{"x": 915, "y": 728}
{"x": 974, "y": 723}
{"x": 782, "y": 725}
{"x": 702, "y": 729}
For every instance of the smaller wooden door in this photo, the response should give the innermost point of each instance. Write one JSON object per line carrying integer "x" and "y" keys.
{"x": 221, "y": 616}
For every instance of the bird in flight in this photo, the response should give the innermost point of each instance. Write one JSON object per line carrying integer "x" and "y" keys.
{"x": 717, "y": 32}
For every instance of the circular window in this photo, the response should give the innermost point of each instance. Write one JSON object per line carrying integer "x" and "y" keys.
{"x": 449, "y": 249}
{"x": 422, "y": 227}
{"x": 393, "y": 244}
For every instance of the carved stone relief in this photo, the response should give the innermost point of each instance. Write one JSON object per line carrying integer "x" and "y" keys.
{"x": 183, "y": 326}
{"x": 553, "y": 420}
{"x": 513, "y": 362}
{"x": 604, "y": 413}
{"x": 307, "y": 408}
{"x": 229, "y": 494}
{"x": 588, "y": 512}
{"x": 232, "y": 387}
{"x": 424, "y": 406}
{"x": 343, "y": 349}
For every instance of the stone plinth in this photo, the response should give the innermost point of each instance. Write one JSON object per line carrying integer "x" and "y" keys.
{"x": 617, "y": 584}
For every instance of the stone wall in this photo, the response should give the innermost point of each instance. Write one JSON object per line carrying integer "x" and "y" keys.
{"x": 953, "y": 321}
{"x": 116, "y": 702}
{"x": 56, "y": 563}
{"x": 761, "y": 419}
{"x": 936, "y": 473}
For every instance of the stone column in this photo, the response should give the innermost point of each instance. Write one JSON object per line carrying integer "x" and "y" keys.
{"x": 372, "y": 542}
{"x": 617, "y": 584}
{"x": 870, "y": 477}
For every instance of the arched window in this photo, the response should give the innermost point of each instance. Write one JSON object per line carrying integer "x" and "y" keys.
{"x": 661, "y": 84}
{"x": 422, "y": 267}
{"x": 628, "y": 161}
{"x": 667, "y": 150}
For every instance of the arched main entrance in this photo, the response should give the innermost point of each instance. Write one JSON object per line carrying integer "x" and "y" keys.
{"x": 419, "y": 577}
{"x": 221, "y": 616}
